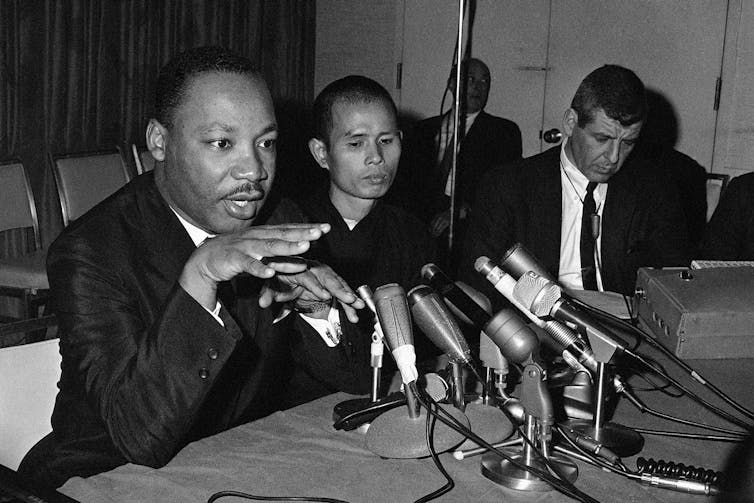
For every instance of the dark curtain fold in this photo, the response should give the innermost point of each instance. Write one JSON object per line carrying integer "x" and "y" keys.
{"x": 78, "y": 75}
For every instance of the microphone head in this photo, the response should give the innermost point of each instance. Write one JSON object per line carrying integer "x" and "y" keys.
{"x": 537, "y": 293}
{"x": 517, "y": 261}
{"x": 368, "y": 297}
{"x": 430, "y": 270}
{"x": 483, "y": 265}
{"x": 392, "y": 311}
{"x": 515, "y": 339}
{"x": 430, "y": 313}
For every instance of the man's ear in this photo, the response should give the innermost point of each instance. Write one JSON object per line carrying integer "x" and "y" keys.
{"x": 570, "y": 122}
{"x": 156, "y": 139}
{"x": 319, "y": 152}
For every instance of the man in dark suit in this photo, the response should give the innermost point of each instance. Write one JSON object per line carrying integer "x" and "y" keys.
{"x": 422, "y": 185}
{"x": 165, "y": 291}
{"x": 629, "y": 209}
{"x": 730, "y": 232}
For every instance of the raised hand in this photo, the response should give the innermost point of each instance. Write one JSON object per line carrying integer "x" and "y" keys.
{"x": 316, "y": 286}
{"x": 225, "y": 256}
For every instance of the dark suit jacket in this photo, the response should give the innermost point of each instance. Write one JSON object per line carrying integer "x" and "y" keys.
{"x": 146, "y": 369}
{"x": 642, "y": 222}
{"x": 387, "y": 246}
{"x": 730, "y": 232}
{"x": 420, "y": 187}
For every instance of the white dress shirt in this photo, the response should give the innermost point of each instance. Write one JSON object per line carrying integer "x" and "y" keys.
{"x": 573, "y": 190}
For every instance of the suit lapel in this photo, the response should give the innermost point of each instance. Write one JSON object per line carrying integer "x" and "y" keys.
{"x": 170, "y": 245}
{"x": 545, "y": 207}
{"x": 620, "y": 206}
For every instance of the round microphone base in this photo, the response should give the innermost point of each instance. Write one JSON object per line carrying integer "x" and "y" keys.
{"x": 395, "y": 435}
{"x": 503, "y": 472}
{"x": 487, "y": 421}
{"x": 620, "y": 439}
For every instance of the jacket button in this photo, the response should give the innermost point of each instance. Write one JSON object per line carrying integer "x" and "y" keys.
{"x": 203, "y": 373}
{"x": 212, "y": 353}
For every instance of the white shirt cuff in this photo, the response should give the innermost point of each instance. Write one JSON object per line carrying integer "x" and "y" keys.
{"x": 216, "y": 313}
{"x": 328, "y": 329}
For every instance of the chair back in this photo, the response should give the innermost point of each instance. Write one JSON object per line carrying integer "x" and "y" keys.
{"x": 17, "y": 208}
{"x": 29, "y": 376}
{"x": 83, "y": 180}
{"x": 143, "y": 159}
{"x": 716, "y": 184}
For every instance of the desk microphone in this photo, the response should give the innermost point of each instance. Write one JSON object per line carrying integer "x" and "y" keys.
{"x": 544, "y": 298}
{"x": 468, "y": 309}
{"x": 434, "y": 318}
{"x": 517, "y": 261}
{"x": 396, "y": 434}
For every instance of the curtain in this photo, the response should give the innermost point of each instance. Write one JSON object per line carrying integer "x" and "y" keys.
{"x": 79, "y": 75}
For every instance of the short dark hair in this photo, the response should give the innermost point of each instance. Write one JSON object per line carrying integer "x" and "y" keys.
{"x": 177, "y": 73}
{"x": 616, "y": 90}
{"x": 351, "y": 89}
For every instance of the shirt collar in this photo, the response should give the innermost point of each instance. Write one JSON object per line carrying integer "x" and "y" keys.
{"x": 573, "y": 173}
{"x": 197, "y": 235}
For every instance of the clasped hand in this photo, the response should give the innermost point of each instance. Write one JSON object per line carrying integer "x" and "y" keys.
{"x": 268, "y": 252}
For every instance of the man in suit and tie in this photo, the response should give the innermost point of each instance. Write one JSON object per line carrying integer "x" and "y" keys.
{"x": 423, "y": 182}
{"x": 167, "y": 295}
{"x": 628, "y": 210}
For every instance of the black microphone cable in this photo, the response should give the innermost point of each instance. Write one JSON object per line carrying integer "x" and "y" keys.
{"x": 694, "y": 396}
{"x": 562, "y": 486}
{"x": 692, "y": 436}
{"x": 660, "y": 480}
{"x": 450, "y": 484}
{"x": 667, "y": 352}
{"x": 652, "y": 412}
{"x": 238, "y": 494}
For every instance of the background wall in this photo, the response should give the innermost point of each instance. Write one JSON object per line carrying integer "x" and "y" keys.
{"x": 357, "y": 36}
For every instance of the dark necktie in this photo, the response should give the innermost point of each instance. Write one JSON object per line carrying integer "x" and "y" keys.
{"x": 588, "y": 272}
{"x": 447, "y": 163}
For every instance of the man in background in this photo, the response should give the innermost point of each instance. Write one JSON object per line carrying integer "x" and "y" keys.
{"x": 423, "y": 185}
{"x": 588, "y": 211}
{"x": 730, "y": 232}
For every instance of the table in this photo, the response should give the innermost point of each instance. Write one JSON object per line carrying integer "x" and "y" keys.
{"x": 297, "y": 453}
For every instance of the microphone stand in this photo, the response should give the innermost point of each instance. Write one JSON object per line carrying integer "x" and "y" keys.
{"x": 539, "y": 418}
{"x": 620, "y": 439}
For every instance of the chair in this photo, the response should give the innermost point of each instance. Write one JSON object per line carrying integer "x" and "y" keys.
{"x": 143, "y": 160}
{"x": 29, "y": 376}
{"x": 23, "y": 277}
{"x": 85, "y": 179}
{"x": 716, "y": 184}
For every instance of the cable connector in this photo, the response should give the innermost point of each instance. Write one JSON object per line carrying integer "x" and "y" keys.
{"x": 680, "y": 485}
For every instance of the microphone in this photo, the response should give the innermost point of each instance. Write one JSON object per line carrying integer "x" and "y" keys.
{"x": 545, "y": 298}
{"x": 505, "y": 284}
{"x": 473, "y": 308}
{"x": 377, "y": 346}
{"x": 468, "y": 309}
{"x": 517, "y": 261}
{"x": 516, "y": 341}
{"x": 392, "y": 312}
{"x": 392, "y": 434}
{"x": 434, "y": 319}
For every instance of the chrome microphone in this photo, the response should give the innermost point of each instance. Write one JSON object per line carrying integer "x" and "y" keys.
{"x": 505, "y": 284}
